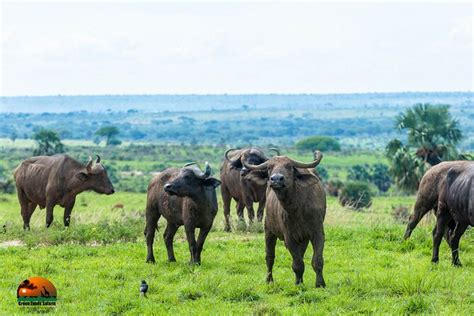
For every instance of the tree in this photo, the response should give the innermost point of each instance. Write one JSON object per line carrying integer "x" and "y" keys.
{"x": 359, "y": 173}
{"x": 432, "y": 136}
{"x": 431, "y": 131}
{"x": 48, "y": 143}
{"x": 380, "y": 177}
{"x": 13, "y": 136}
{"x": 356, "y": 195}
{"x": 323, "y": 143}
{"x": 110, "y": 133}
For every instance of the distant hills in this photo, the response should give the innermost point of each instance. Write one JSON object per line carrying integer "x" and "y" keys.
{"x": 160, "y": 103}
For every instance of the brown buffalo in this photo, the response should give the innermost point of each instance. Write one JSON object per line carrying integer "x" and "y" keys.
{"x": 456, "y": 202}
{"x": 296, "y": 207}
{"x": 185, "y": 196}
{"x": 51, "y": 180}
{"x": 237, "y": 185}
{"x": 428, "y": 192}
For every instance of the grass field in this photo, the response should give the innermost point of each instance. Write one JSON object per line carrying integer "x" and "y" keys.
{"x": 97, "y": 265}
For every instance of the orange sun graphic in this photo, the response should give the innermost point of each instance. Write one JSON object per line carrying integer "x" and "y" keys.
{"x": 36, "y": 287}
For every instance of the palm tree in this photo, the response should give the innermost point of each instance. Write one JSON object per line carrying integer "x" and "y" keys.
{"x": 432, "y": 137}
{"x": 432, "y": 131}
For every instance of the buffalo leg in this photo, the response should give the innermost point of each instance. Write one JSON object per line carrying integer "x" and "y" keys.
{"x": 297, "y": 252}
{"x": 226, "y": 199}
{"x": 240, "y": 210}
{"x": 456, "y": 236}
{"x": 25, "y": 209}
{"x": 419, "y": 211}
{"x": 441, "y": 223}
{"x": 250, "y": 210}
{"x": 49, "y": 213}
{"x": 191, "y": 237}
{"x": 270, "y": 243}
{"x": 168, "y": 236}
{"x": 200, "y": 242}
{"x": 152, "y": 217}
{"x": 318, "y": 261}
{"x": 67, "y": 213}
{"x": 261, "y": 207}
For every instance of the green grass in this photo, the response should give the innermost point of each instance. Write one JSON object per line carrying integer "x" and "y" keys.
{"x": 97, "y": 265}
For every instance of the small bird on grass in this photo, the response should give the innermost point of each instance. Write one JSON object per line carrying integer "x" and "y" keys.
{"x": 143, "y": 288}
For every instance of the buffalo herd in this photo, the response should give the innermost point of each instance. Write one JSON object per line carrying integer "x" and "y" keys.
{"x": 290, "y": 190}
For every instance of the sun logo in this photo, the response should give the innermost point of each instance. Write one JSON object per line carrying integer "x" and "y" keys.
{"x": 36, "y": 291}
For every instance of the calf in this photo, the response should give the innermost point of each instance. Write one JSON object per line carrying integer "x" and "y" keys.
{"x": 185, "y": 196}
{"x": 296, "y": 207}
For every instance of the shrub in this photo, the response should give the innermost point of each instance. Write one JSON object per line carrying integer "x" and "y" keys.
{"x": 400, "y": 213}
{"x": 323, "y": 143}
{"x": 356, "y": 195}
{"x": 334, "y": 187}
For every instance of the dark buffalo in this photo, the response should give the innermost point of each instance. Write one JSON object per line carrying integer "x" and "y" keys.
{"x": 456, "y": 202}
{"x": 296, "y": 207}
{"x": 236, "y": 184}
{"x": 185, "y": 196}
{"x": 51, "y": 180}
{"x": 428, "y": 193}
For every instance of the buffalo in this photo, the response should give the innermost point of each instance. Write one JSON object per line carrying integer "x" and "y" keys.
{"x": 456, "y": 202}
{"x": 296, "y": 207}
{"x": 51, "y": 180}
{"x": 185, "y": 196}
{"x": 428, "y": 193}
{"x": 236, "y": 184}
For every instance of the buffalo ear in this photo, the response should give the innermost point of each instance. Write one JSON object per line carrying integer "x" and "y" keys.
{"x": 82, "y": 176}
{"x": 212, "y": 182}
{"x": 305, "y": 179}
{"x": 258, "y": 177}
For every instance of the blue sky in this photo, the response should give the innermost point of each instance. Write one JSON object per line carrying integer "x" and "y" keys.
{"x": 134, "y": 48}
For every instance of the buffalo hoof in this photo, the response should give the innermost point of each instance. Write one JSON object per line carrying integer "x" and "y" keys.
{"x": 320, "y": 284}
{"x": 227, "y": 229}
{"x": 150, "y": 260}
{"x": 269, "y": 278}
{"x": 457, "y": 264}
{"x": 435, "y": 260}
{"x": 171, "y": 259}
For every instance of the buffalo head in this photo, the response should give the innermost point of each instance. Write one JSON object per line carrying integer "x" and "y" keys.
{"x": 283, "y": 174}
{"x": 191, "y": 181}
{"x": 95, "y": 177}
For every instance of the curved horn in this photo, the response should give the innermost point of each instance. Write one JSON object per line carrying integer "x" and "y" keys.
{"x": 98, "y": 159}
{"x": 226, "y": 156}
{"x": 317, "y": 159}
{"x": 189, "y": 164}
{"x": 276, "y": 151}
{"x": 202, "y": 175}
{"x": 89, "y": 165}
{"x": 255, "y": 167}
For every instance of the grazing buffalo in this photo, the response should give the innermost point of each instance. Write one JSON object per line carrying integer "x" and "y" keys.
{"x": 236, "y": 184}
{"x": 456, "y": 202}
{"x": 185, "y": 196}
{"x": 51, "y": 180}
{"x": 296, "y": 207}
{"x": 428, "y": 192}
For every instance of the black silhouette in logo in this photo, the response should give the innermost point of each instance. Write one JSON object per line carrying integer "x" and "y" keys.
{"x": 26, "y": 284}
{"x": 46, "y": 293}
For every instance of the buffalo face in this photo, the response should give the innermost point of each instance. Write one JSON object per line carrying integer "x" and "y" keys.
{"x": 95, "y": 177}
{"x": 191, "y": 181}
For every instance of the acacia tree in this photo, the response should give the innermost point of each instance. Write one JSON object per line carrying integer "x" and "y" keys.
{"x": 110, "y": 133}
{"x": 432, "y": 136}
{"x": 48, "y": 143}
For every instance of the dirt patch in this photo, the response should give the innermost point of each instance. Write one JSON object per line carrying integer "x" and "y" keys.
{"x": 11, "y": 243}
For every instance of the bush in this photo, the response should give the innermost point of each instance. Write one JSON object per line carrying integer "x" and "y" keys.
{"x": 323, "y": 143}
{"x": 334, "y": 187}
{"x": 356, "y": 195}
{"x": 401, "y": 213}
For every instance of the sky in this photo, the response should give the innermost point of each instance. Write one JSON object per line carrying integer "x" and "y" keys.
{"x": 89, "y": 48}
